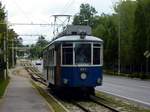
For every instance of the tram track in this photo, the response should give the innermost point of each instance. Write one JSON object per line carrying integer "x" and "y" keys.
{"x": 93, "y": 99}
{"x": 80, "y": 106}
{"x": 35, "y": 74}
{"x": 95, "y": 104}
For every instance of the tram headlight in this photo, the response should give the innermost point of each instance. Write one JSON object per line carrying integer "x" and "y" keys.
{"x": 65, "y": 81}
{"x": 83, "y": 76}
{"x": 99, "y": 80}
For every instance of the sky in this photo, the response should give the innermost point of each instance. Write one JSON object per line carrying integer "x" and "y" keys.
{"x": 41, "y": 11}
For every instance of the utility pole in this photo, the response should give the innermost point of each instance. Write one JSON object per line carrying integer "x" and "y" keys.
{"x": 119, "y": 44}
{"x": 5, "y": 49}
{"x": 6, "y": 44}
{"x": 12, "y": 53}
{"x": 5, "y": 56}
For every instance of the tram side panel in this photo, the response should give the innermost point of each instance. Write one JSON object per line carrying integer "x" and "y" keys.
{"x": 58, "y": 67}
{"x": 49, "y": 67}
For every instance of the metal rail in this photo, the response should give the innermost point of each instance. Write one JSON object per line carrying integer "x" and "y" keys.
{"x": 93, "y": 99}
{"x": 80, "y": 106}
{"x": 35, "y": 74}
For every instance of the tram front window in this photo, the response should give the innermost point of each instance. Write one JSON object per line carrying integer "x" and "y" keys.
{"x": 96, "y": 54}
{"x": 67, "y": 54}
{"x": 82, "y": 53}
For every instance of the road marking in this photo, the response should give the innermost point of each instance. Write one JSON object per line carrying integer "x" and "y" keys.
{"x": 128, "y": 98}
{"x": 144, "y": 87}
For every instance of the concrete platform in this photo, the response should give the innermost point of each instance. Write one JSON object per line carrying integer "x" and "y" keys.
{"x": 21, "y": 96}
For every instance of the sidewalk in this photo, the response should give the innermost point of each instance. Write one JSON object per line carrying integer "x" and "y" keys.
{"x": 21, "y": 96}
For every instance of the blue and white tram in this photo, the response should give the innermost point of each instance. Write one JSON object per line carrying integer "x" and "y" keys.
{"x": 74, "y": 61}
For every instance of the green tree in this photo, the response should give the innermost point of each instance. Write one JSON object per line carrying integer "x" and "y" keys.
{"x": 2, "y": 34}
{"x": 12, "y": 37}
{"x": 36, "y": 50}
{"x": 85, "y": 16}
{"x": 19, "y": 44}
{"x": 114, "y": 26}
{"x": 7, "y": 37}
{"x": 107, "y": 30}
{"x": 125, "y": 15}
{"x": 142, "y": 33}
{"x": 41, "y": 41}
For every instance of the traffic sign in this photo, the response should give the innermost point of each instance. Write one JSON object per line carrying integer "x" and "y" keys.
{"x": 147, "y": 54}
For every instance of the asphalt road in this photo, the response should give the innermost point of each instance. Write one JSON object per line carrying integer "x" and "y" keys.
{"x": 132, "y": 89}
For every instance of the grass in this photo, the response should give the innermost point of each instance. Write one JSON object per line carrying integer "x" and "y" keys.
{"x": 119, "y": 104}
{"x": 3, "y": 85}
{"x": 53, "y": 103}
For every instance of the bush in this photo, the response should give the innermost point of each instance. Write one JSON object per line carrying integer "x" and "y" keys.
{"x": 3, "y": 85}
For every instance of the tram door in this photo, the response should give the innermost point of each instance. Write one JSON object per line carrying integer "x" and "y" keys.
{"x": 58, "y": 68}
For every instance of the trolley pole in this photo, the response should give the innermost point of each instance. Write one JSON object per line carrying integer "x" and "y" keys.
{"x": 56, "y": 17}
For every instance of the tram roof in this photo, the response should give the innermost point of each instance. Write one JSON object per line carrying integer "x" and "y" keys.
{"x": 75, "y": 38}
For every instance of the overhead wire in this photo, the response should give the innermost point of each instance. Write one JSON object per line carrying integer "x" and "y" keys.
{"x": 32, "y": 16}
{"x": 22, "y": 11}
{"x": 68, "y": 6}
{"x": 38, "y": 18}
{"x": 27, "y": 17}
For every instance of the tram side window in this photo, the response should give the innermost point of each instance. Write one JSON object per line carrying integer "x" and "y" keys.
{"x": 67, "y": 54}
{"x": 46, "y": 58}
{"x": 96, "y": 54}
{"x": 51, "y": 57}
